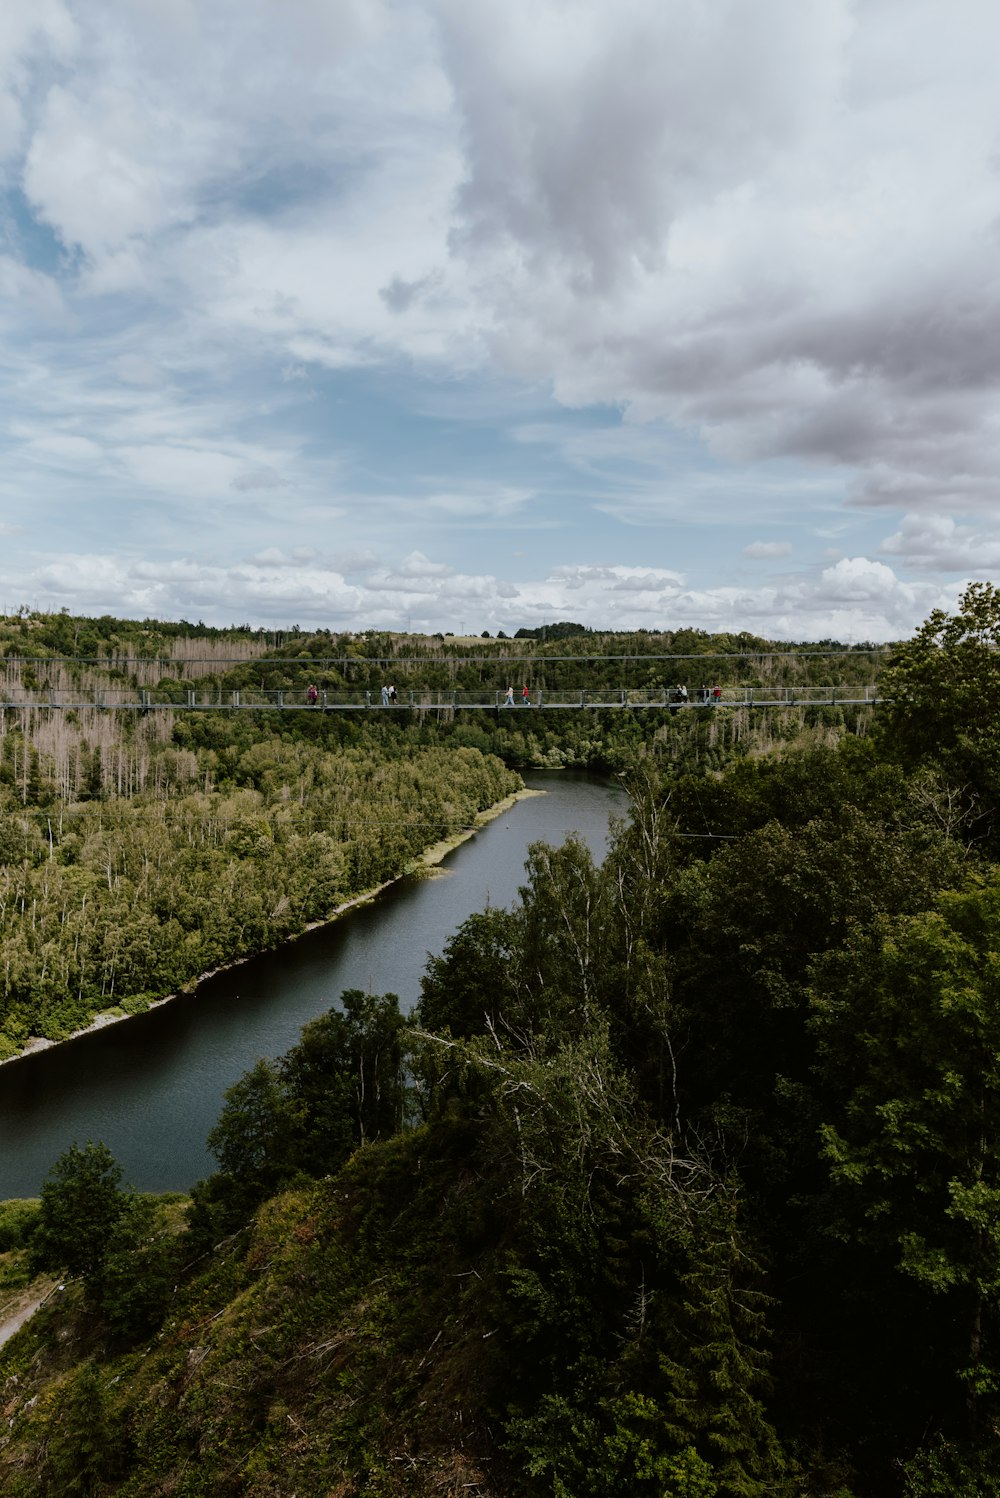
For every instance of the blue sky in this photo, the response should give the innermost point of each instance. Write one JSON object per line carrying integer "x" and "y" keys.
{"x": 435, "y": 315}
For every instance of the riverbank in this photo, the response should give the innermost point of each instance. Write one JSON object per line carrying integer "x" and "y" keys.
{"x": 152, "y": 1091}
{"x": 432, "y": 856}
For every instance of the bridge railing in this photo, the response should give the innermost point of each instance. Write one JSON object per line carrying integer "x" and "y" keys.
{"x": 780, "y": 695}
{"x": 429, "y": 700}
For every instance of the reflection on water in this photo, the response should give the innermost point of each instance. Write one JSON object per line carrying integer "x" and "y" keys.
{"x": 151, "y": 1088}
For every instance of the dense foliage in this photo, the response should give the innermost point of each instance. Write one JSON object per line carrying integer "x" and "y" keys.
{"x": 109, "y": 903}
{"x": 682, "y": 1181}
{"x": 139, "y": 851}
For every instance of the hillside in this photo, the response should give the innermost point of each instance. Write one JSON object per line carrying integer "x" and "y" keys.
{"x": 682, "y": 1181}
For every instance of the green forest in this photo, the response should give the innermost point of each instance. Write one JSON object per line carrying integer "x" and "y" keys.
{"x": 109, "y": 903}
{"x": 682, "y": 1179}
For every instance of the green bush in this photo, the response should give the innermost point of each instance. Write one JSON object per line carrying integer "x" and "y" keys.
{"x": 17, "y": 1221}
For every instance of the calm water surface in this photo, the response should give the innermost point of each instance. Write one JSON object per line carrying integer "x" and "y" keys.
{"x": 151, "y": 1088}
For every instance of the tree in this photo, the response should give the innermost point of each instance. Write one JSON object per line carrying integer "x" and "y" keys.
{"x": 251, "y": 1139}
{"x": 563, "y": 903}
{"x": 84, "y": 1451}
{"x": 942, "y": 691}
{"x": 632, "y": 1331}
{"x": 81, "y": 1204}
{"x": 341, "y": 1086}
{"x": 714, "y": 1360}
{"x": 138, "y": 1272}
{"x": 474, "y": 981}
{"x": 345, "y": 1078}
{"x": 907, "y": 1019}
{"x": 742, "y": 930}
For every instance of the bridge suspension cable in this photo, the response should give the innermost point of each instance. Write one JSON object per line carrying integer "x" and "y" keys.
{"x": 379, "y": 662}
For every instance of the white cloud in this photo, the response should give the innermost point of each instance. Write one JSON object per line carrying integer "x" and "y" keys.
{"x": 778, "y": 228}
{"x": 487, "y": 501}
{"x": 939, "y": 543}
{"x": 63, "y": 449}
{"x": 765, "y": 550}
{"x": 273, "y": 557}
{"x": 26, "y": 294}
{"x": 133, "y": 369}
{"x": 855, "y": 599}
{"x": 856, "y": 579}
{"x": 259, "y": 478}
{"x": 417, "y": 565}
{"x": 587, "y": 140}
{"x": 617, "y": 578}
{"x": 92, "y": 169}
{"x": 189, "y": 472}
{"x": 179, "y": 588}
{"x": 30, "y": 31}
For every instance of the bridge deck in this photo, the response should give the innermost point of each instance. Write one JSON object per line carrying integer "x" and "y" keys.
{"x": 216, "y": 700}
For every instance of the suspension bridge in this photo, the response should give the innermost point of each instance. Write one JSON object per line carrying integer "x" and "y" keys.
{"x": 215, "y": 699}
{"x": 147, "y": 684}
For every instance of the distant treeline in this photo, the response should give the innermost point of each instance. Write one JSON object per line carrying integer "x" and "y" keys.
{"x": 39, "y": 651}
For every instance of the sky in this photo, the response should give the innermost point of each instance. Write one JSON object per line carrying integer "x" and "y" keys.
{"x": 479, "y": 314}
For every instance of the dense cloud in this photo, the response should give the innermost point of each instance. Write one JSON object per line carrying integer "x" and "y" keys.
{"x": 852, "y": 600}
{"x": 778, "y": 223}
{"x": 763, "y": 237}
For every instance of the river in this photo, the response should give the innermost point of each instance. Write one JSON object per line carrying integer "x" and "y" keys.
{"x": 152, "y": 1087}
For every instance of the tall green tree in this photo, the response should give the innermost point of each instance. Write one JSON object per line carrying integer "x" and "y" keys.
{"x": 343, "y": 1085}
{"x": 252, "y": 1138}
{"x": 942, "y": 707}
{"x": 81, "y": 1205}
{"x": 907, "y": 1020}
{"x": 84, "y": 1453}
{"x": 345, "y": 1078}
{"x": 475, "y": 982}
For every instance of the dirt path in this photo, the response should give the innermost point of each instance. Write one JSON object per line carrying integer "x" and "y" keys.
{"x": 22, "y": 1306}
